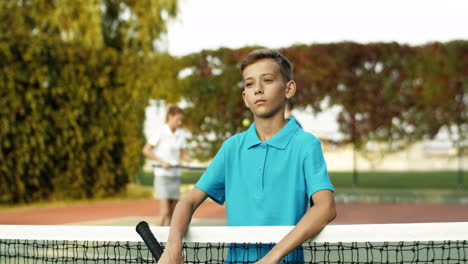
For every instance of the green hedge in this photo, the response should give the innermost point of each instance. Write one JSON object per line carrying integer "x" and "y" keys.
{"x": 75, "y": 79}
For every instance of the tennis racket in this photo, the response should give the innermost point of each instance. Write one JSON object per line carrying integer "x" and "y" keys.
{"x": 181, "y": 167}
{"x": 151, "y": 242}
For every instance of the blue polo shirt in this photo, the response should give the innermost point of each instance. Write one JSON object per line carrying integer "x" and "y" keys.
{"x": 266, "y": 183}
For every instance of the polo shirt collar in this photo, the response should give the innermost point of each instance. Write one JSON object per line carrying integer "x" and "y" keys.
{"x": 280, "y": 140}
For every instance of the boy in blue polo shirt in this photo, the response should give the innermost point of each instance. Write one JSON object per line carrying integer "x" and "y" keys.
{"x": 266, "y": 175}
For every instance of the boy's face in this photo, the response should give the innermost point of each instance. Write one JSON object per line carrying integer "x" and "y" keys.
{"x": 265, "y": 91}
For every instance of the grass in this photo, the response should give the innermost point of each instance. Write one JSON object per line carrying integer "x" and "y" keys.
{"x": 146, "y": 178}
{"x": 378, "y": 186}
{"x": 447, "y": 180}
{"x": 132, "y": 192}
{"x": 400, "y": 180}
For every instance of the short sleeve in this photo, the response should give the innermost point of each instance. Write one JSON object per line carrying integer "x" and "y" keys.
{"x": 212, "y": 182}
{"x": 154, "y": 139}
{"x": 315, "y": 170}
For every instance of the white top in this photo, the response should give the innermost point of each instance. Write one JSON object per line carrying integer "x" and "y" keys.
{"x": 167, "y": 146}
{"x": 247, "y": 234}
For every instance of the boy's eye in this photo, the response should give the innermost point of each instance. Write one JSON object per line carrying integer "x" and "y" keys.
{"x": 268, "y": 80}
{"x": 249, "y": 84}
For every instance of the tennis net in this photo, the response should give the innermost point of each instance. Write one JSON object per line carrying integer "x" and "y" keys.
{"x": 343, "y": 244}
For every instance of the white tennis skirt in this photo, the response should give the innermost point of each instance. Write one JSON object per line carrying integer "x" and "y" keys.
{"x": 167, "y": 187}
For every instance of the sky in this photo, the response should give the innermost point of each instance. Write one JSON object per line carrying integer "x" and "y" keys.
{"x": 211, "y": 24}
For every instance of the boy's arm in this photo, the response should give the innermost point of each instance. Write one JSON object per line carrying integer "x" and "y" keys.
{"x": 180, "y": 221}
{"x": 315, "y": 219}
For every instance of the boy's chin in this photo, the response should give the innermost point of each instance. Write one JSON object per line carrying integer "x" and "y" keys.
{"x": 265, "y": 115}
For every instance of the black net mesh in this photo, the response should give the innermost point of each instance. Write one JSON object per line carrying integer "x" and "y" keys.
{"x": 38, "y": 251}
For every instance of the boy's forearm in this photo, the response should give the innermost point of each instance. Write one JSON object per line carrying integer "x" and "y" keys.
{"x": 179, "y": 225}
{"x": 180, "y": 221}
{"x": 311, "y": 223}
{"x": 183, "y": 214}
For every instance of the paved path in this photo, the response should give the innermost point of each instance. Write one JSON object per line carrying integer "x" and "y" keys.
{"x": 348, "y": 213}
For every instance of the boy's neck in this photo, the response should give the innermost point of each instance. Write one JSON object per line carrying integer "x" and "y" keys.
{"x": 268, "y": 127}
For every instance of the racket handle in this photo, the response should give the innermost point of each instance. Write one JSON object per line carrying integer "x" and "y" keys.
{"x": 151, "y": 242}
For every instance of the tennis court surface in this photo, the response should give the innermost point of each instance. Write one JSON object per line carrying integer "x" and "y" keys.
{"x": 34, "y": 235}
{"x": 111, "y": 211}
{"x": 343, "y": 244}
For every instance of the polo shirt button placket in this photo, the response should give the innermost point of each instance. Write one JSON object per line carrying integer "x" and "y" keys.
{"x": 260, "y": 180}
{"x": 262, "y": 168}
{"x": 258, "y": 183}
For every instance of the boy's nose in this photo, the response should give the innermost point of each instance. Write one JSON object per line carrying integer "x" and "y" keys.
{"x": 258, "y": 89}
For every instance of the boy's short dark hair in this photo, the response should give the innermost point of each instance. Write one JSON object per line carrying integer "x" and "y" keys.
{"x": 283, "y": 62}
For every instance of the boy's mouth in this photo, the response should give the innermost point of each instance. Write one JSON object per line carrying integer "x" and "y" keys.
{"x": 260, "y": 101}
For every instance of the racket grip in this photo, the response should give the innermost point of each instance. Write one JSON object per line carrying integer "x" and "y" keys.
{"x": 151, "y": 242}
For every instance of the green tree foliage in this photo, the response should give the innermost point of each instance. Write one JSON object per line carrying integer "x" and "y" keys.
{"x": 443, "y": 87}
{"x": 75, "y": 77}
{"x": 367, "y": 81}
{"x": 458, "y": 64}
{"x": 213, "y": 87}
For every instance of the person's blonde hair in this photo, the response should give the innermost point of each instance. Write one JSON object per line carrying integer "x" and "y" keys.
{"x": 173, "y": 110}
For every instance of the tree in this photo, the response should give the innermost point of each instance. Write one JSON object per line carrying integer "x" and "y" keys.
{"x": 213, "y": 86}
{"x": 458, "y": 63}
{"x": 368, "y": 81}
{"x": 391, "y": 94}
{"x": 75, "y": 78}
{"x": 444, "y": 82}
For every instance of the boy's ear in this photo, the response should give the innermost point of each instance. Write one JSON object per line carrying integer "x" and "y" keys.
{"x": 290, "y": 89}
